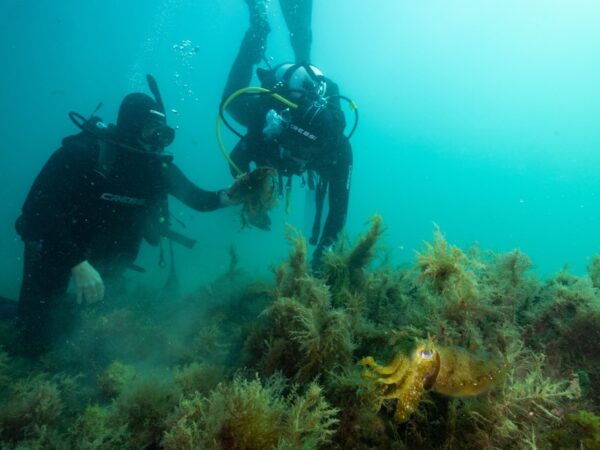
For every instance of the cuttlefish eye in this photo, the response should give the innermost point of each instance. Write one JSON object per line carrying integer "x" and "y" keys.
{"x": 426, "y": 354}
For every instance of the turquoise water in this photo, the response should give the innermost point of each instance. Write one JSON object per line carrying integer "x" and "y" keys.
{"x": 480, "y": 117}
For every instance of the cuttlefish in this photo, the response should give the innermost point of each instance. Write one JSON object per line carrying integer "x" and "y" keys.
{"x": 450, "y": 371}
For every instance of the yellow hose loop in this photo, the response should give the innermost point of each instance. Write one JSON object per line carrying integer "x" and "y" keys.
{"x": 224, "y": 150}
{"x": 232, "y": 97}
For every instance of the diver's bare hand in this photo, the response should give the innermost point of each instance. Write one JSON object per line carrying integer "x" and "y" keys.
{"x": 88, "y": 283}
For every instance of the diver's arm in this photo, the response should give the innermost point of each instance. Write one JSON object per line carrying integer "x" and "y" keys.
{"x": 180, "y": 187}
{"x": 298, "y": 15}
{"x": 339, "y": 193}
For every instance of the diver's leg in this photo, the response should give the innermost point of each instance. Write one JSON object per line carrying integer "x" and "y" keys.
{"x": 339, "y": 176}
{"x": 258, "y": 14}
{"x": 298, "y": 15}
{"x": 45, "y": 280}
{"x": 252, "y": 50}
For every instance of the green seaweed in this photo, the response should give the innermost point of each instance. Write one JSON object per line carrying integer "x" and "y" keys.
{"x": 198, "y": 378}
{"x": 97, "y": 429}
{"x": 305, "y": 328}
{"x": 143, "y": 406}
{"x": 32, "y": 407}
{"x": 446, "y": 268}
{"x": 581, "y": 430}
{"x": 5, "y": 369}
{"x": 594, "y": 271}
{"x": 249, "y": 415}
{"x": 305, "y": 336}
{"x": 344, "y": 271}
{"x": 527, "y": 404}
{"x": 116, "y": 376}
{"x": 289, "y": 273}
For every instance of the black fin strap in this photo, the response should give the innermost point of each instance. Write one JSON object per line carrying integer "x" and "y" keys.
{"x": 319, "y": 200}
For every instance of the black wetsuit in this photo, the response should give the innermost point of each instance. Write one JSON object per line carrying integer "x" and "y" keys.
{"x": 333, "y": 165}
{"x": 95, "y": 202}
{"x": 298, "y": 14}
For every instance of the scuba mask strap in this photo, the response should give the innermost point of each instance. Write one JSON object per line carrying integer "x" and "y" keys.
{"x": 319, "y": 80}
{"x": 287, "y": 75}
{"x": 312, "y": 74}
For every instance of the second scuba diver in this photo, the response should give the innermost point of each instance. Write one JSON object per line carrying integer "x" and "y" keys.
{"x": 294, "y": 122}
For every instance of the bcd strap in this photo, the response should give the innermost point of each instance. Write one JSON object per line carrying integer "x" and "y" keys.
{"x": 179, "y": 238}
{"x": 165, "y": 218}
{"x": 319, "y": 200}
{"x": 106, "y": 157}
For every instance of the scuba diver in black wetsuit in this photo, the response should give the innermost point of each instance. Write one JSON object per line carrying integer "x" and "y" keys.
{"x": 97, "y": 197}
{"x": 295, "y": 123}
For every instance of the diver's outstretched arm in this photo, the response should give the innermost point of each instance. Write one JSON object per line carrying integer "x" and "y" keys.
{"x": 298, "y": 15}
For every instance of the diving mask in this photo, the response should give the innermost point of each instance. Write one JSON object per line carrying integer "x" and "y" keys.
{"x": 157, "y": 134}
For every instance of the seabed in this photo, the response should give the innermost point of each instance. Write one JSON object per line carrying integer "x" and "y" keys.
{"x": 460, "y": 350}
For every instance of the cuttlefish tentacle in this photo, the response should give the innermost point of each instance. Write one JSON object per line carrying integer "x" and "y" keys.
{"x": 390, "y": 374}
{"x": 391, "y": 368}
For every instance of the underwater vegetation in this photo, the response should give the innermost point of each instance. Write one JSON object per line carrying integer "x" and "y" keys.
{"x": 462, "y": 349}
{"x": 250, "y": 414}
{"x": 257, "y": 191}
